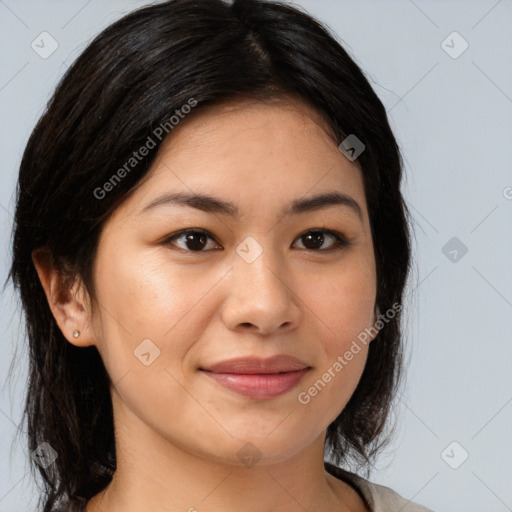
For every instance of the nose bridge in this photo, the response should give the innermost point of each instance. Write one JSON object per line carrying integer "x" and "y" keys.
{"x": 261, "y": 274}
{"x": 257, "y": 270}
{"x": 259, "y": 294}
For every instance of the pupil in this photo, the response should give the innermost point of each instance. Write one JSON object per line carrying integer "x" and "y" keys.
{"x": 192, "y": 241}
{"x": 316, "y": 237}
{"x": 197, "y": 241}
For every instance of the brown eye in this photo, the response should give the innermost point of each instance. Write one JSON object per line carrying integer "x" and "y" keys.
{"x": 196, "y": 240}
{"x": 315, "y": 239}
{"x": 192, "y": 240}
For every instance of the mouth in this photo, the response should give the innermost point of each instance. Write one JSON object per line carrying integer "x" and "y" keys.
{"x": 259, "y": 379}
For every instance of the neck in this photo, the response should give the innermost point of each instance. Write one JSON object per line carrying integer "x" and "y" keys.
{"x": 156, "y": 474}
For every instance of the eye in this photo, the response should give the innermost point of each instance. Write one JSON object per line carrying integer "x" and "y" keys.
{"x": 195, "y": 240}
{"x": 314, "y": 239}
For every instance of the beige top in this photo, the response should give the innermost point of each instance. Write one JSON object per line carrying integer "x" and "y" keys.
{"x": 377, "y": 497}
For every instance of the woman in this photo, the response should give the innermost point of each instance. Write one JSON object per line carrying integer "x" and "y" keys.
{"x": 211, "y": 249}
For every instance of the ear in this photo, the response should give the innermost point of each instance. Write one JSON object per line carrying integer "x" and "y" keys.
{"x": 68, "y": 299}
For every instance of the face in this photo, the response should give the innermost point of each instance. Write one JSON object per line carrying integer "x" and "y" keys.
{"x": 257, "y": 271}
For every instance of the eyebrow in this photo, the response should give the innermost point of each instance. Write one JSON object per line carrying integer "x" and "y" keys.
{"x": 211, "y": 204}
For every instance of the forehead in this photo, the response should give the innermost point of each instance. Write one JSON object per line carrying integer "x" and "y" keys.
{"x": 285, "y": 121}
{"x": 254, "y": 154}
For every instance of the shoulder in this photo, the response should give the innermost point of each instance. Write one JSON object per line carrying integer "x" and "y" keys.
{"x": 378, "y": 497}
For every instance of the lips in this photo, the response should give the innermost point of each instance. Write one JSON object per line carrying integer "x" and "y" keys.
{"x": 252, "y": 365}
{"x": 257, "y": 378}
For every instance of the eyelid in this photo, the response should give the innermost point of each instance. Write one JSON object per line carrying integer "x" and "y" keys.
{"x": 168, "y": 239}
{"x": 341, "y": 239}
{"x": 340, "y": 243}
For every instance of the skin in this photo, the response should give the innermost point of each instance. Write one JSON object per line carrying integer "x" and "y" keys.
{"x": 178, "y": 432}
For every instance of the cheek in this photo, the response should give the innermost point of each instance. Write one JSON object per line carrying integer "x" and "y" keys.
{"x": 141, "y": 299}
{"x": 343, "y": 306}
{"x": 149, "y": 318}
{"x": 344, "y": 302}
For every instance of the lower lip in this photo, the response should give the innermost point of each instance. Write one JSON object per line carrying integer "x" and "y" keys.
{"x": 259, "y": 386}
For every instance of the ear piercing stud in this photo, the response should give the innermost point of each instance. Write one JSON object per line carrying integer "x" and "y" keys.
{"x": 76, "y": 333}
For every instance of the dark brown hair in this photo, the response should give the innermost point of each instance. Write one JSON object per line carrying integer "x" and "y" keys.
{"x": 129, "y": 80}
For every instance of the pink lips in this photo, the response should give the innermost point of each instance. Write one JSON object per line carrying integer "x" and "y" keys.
{"x": 257, "y": 378}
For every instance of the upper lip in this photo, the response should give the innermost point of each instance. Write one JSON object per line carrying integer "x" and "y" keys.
{"x": 252, "y": 365}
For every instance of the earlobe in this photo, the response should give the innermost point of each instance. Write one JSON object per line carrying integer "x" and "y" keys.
{"x": 67, "y": 298}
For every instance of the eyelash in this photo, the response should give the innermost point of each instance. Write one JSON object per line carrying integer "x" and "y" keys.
{"x": 339, "y": 243}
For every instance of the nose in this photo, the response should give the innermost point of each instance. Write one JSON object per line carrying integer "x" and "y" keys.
{"x": 261, "y": 298}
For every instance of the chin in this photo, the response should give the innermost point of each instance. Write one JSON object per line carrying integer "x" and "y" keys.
{"x": 259, "y": 448}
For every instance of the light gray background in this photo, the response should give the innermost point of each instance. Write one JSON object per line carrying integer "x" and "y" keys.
{"x": 452, "y": 117}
